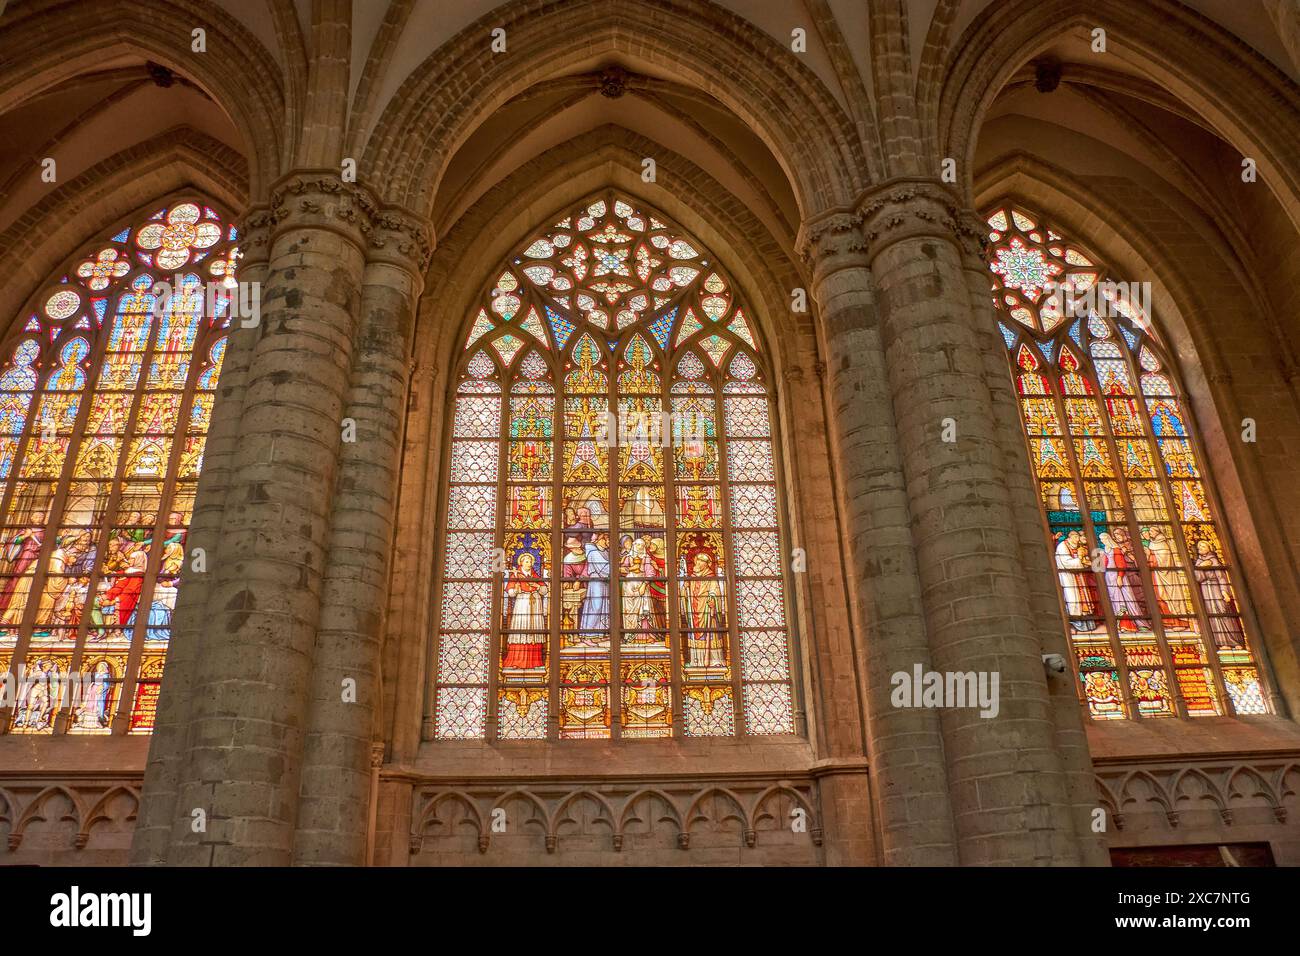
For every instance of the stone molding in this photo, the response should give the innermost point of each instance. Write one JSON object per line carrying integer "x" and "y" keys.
{"x": 24, "y": 802}
{"x": 751, "y": 807}
{"x": 1141, "y": 796}
{"x": 1239, "y": 791}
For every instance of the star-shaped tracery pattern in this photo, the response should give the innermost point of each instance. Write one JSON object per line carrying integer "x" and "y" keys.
{"x": 1029, "y": 260}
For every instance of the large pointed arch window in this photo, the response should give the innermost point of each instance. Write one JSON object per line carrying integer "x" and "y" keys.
{"x": 106, "y": 389}
{"x": 1145, "y": 572}
{"x": 612, "y": 561}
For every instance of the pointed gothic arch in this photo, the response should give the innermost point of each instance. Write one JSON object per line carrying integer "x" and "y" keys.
{"x": 611, "y": 564}
{"x": 1157, "y": 622}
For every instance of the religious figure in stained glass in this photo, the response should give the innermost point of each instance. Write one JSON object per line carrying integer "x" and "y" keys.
{"x": 106, "y": 390}
{"x": 1146, "y": 581}
{"x": 595, "y": 373}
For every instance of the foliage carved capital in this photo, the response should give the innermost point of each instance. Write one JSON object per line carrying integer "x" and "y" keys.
{"x": 321, "y": 199}
{"x": 835, "y": 234}
{"x": 916, "y": 208}
{"x": 401, "y": 238}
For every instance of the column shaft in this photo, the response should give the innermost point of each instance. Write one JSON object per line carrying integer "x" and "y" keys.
{"x": 905, "y": 747}
{"x": 251, "y": 687}
{"x": 1008, "y": 796}
{"x": 335, "y": 788}
{"x": 167, "y": 746}
{"x": 1068, "y": 716}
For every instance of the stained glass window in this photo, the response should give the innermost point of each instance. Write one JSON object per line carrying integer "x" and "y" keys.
{"x": 612, "y": 561}
{"x": 106, "y": 389}
{"x": 1146, "y": 575}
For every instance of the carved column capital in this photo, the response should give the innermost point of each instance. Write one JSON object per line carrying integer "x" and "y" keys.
{"x": 832, "y": 245}
{"x": 255, "y": 235}
{"x": 914, "y": 208}
{"x": 836, "y": 232}
{"x": 400, "y": 238}
{"x": 320, "y": 199}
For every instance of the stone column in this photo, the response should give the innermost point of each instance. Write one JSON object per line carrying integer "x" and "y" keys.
{"x": 904, "y": 746}
{"x": 250, "y": 686}
{"x": 166, "y": 747}
{"x": 1007, "y": 790}
{"x": 1038, "y": 560}
{"x": 336, "y": 779}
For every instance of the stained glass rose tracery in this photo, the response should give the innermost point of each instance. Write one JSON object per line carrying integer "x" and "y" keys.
{"x": 183, "y": 231}
{"x": 105, "y": 398}
{"x": 612, "y": 560}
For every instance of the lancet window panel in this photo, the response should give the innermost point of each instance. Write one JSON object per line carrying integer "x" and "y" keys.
{"x": 612, "y": 556}
{"x": 106, "y": 389}
{"x": 1156, "y": 619}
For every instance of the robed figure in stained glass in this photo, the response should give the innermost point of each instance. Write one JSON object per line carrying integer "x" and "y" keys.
{"x": 636, "y": 593}
{"x": 1077, "y": 584}
{"x": 593, "y": 617}
{"x": 1123, "y": 586}
{"x": 94, "y": 713}
{"x": 607, "y": 319}
{"x": 1171, "y": 591}
{"x": 1158, "y": 500}
{"x": 124, "y": 594}
{"x": 655, "y": 566}
{"x": 1216, "y": 590}
{"x": 704, "y": 610}
{"x": 44, "y": 684}
{"x": 572, "y": 585}
{"x": 525, "y": 594}
{"x": 21, "y": 552}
